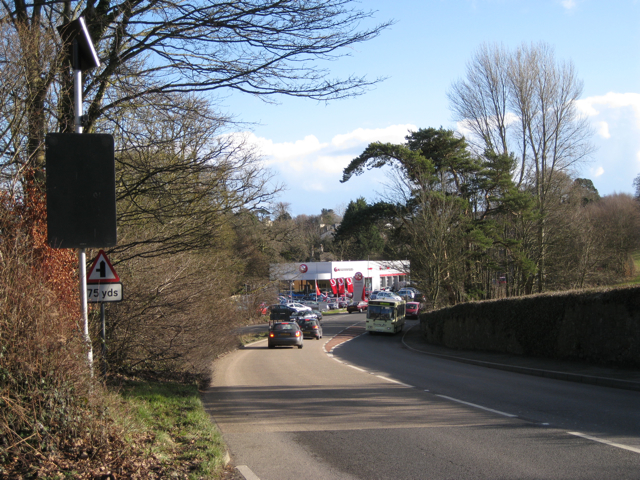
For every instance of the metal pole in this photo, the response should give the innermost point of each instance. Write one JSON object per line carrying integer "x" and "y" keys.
{"x": 82, "y": 256}
{"x": 104, "y": 340}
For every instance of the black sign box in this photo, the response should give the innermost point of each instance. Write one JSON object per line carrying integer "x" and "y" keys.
{"x": 81, "y": 190}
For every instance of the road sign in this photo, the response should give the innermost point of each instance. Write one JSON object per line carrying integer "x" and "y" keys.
{"x": 102, "y": 271}
{"x": 104, "y": 292}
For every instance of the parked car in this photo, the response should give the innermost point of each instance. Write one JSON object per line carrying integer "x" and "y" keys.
{"x": 311, "y": 328}
{"x": 311, "y": 303}
{"x": 391, "y": 295}
{"x": 412, "y": 310}
{"x": 405, "y": 292}
{"x": 285, "y": 334}
{"x": 357, "y": 307}
{"x": 297, "y": 306}
{"x": 332, "y": 304}
{"x": 318, "y": 314}
{"x": 343, "y": 302}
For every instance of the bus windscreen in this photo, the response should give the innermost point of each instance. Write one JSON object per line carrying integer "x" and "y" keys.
{"x": 378, "y": 312}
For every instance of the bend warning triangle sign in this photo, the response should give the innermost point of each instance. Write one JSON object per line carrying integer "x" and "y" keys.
{"x": 102, "y": 271}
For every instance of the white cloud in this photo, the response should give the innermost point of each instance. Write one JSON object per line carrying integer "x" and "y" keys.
{"x": 569, "y": 4}
{"x": 391, "y": 134}
{"x": 603, "y": 130}
{"x": 290, "y": 150}
{"x": 596, "y": 172}
{"x": 331, "y": 163}
{"x": 611, "y": 100}
{"x": 311, "y": 155}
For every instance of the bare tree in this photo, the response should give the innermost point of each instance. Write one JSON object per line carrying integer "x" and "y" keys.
{"x": 151, "y": 48}
{"x": 523, "y": 103}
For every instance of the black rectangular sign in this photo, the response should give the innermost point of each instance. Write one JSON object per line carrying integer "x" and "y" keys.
{"x": 81, "y": 190}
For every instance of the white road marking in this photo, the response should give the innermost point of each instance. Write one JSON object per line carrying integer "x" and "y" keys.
{"x": 357, "y": 368}
{"x": 394, "y": 381}
{"x": 607, "y": 442}
{"x": 247, "y": 473}
{"x": 478, "y": 406}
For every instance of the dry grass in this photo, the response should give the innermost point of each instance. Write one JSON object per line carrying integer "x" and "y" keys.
{"x": 56, "y": 420}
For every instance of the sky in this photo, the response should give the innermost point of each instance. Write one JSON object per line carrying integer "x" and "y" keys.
{"x": 306, "y": 144}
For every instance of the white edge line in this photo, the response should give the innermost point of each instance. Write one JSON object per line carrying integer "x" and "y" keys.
{"x": 247, "y": 473}
{"x": 394, "y": 381}
{"x": 357, "y": 368}
{"x": 478, "y": 406}
{"x": 606, "y": 442}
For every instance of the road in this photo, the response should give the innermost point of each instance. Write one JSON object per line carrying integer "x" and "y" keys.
{"x": 375, "y": 409}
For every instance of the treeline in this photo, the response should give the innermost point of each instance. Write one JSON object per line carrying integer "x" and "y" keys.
{"x": 190, "y": 196}
{"x": 500, "y": 211}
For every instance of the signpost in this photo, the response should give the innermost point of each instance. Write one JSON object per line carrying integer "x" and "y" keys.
{"x": 83, "y": 57}
{"x": 103, "y": 285}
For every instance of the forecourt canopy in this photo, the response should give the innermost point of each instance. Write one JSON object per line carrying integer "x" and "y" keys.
{"x": 373, "y": 274}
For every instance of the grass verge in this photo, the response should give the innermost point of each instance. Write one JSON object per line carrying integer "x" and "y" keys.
{"x": 179, "y": 433}
{"x": 252, "y": 337}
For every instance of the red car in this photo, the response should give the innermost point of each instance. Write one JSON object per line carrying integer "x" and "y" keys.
{"x": 357, "y": 307}
{"x": 413, "y": 310}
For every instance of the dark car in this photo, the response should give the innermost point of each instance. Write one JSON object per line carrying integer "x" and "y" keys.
{"x": 311, "y": 328}
{"x": 285, "y": 334}
{"x": 413, "y": 310}
{"x": 357, "y": 307}
{"x": 317, "y": 313}
{"x": 281, "y": 312}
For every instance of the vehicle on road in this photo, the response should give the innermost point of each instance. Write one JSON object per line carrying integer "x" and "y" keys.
{"x": 281, "y": 312}
{"x": 357, "y": 307}
{"x": 386, "y": 315}
{"x": 413, "y": 310}
{"x": 302, "y": 316}
{"x": 285, "y": 334}
{"x": 311, "y": 328}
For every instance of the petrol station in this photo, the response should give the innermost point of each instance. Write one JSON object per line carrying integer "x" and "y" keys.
{"x": 361, "y": 274}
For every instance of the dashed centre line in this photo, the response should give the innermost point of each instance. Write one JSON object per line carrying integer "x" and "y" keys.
{"x": 354, "y": 331}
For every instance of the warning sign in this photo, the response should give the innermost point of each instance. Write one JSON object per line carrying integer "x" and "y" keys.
{"x": 102, "y": 271}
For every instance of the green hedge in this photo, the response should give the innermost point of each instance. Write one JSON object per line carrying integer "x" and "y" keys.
{"x": 600, "y": 326}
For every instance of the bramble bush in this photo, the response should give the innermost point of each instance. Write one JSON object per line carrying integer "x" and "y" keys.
{"x": 54, "y": 415}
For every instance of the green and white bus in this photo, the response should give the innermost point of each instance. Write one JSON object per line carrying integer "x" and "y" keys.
{"x": 386, "y": 315}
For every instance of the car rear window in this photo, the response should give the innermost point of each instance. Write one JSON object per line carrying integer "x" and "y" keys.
{"x": 283, "y": 326}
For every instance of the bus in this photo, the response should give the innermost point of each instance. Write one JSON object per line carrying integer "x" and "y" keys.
{"x": 386, "y": 315}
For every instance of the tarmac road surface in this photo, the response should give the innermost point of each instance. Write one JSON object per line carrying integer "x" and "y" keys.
{"x": 366, "y": 407}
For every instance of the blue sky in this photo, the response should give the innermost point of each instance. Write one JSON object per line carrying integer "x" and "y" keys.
{"x": 307, "y": 144}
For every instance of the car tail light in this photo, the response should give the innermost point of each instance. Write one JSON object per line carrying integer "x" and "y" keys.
{"x": 298, "y": 333}
{"x": 315, "y": 326}
{"x": 271, "y": 334}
